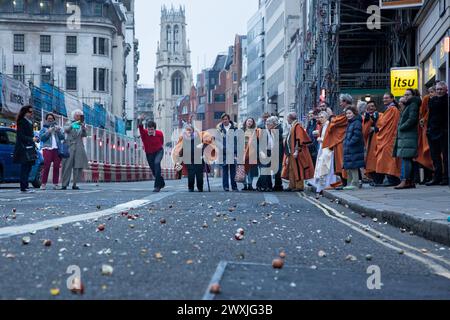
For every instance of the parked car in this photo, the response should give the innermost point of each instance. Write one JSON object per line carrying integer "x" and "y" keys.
{"x": 10, "y": 171}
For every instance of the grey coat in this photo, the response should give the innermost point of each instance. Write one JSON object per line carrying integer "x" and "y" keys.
{"x": 78, "y": 158}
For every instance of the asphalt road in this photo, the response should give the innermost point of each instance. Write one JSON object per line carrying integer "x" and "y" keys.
{"x": 173, "y": 245}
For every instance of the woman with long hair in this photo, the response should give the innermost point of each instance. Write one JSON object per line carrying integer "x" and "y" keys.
{"x": 25, "y": 152}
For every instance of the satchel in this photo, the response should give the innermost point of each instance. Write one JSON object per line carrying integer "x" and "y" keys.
{"x": 240, "y": 174}
{"x": 30, "y": 153}
{"x": 63, "y": 150}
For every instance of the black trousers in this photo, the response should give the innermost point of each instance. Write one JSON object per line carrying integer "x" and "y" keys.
{"x": 25, "y": 169}
{"x": 154, "y": 161}
{"x": 439, "y": 154}
{"x": 195, "y": 171}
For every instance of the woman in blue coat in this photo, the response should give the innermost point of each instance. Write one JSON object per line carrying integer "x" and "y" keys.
{"x": 353, "y": 148}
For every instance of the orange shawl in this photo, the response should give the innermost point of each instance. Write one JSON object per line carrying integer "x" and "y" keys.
{"x": 334, "y": 140}
{"x": 424, "y": 152}
{"x": 304, "y": 164}
{"x": 371, "y": 146}
{"x": 388, "y": 125}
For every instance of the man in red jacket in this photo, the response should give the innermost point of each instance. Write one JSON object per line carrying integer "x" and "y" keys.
{"x": 154, "y": 148}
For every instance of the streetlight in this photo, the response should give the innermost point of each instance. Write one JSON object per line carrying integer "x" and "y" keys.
{"x": 368, "y": 98}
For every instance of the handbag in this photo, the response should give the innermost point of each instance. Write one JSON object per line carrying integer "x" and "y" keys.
{"x": 240, "y": 173}
{"x": 30, "y": 153}
{"x": 63, "y": 150}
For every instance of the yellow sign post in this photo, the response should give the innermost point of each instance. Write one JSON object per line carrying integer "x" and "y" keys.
{"x": 403, "y": 79}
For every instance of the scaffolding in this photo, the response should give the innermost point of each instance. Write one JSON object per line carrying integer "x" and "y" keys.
{"x": 340, "y": 53}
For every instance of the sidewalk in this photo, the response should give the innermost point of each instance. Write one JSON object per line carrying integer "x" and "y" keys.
{"x": 424, "y": 210}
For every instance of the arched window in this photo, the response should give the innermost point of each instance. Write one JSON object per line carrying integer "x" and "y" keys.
{"x": 177, "y": 84}
{"x": 169, "y": 38}
{"x": 176, "y": 38}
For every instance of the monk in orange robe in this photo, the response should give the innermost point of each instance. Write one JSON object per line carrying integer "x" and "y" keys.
{"x": 297, "y": 164}
{"x": 387, "y": 133}
{"x": 424, "y": 152}
{"x": 370, "y": 120}
{"x": 334, "y": 140}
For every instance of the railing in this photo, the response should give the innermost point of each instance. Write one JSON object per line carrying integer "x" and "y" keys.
{"x": 106, "y": 147}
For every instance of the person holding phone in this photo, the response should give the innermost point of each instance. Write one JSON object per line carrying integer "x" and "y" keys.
{"x": 51, "y": 137}
{"x": 78, "y": 160}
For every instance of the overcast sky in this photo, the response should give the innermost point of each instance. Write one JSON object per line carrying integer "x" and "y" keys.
{"x": 211, "y": 27}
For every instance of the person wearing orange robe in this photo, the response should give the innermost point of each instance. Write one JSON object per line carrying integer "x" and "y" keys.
{"x": 297, "y": 164}
{"x": 386, "y": 135}
{"x": 334, "y": 138}
{"x": 370, "y": 120}
{"x": 424, "y": 151}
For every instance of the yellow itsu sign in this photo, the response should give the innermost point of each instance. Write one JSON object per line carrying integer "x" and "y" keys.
{"x": 403, "y": 79}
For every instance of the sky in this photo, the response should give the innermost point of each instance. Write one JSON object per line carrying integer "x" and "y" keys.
{"x": 211, "y": 29}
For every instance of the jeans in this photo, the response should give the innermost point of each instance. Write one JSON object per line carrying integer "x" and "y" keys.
{"x": 195, "y": 171}
{"x": 229, "y": 172}
{"x": 407, "y": 169}
{"x": 51, "y": 156}
{"x": 154, "y": 161}
{"x": 353, "y": 178}
{"x": 25, "y": 169}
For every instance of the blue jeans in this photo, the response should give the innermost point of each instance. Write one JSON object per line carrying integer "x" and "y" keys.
{"x": 407, "y": 169}
{"x": 154, "y": 161}
{"x": 229, "y": 172}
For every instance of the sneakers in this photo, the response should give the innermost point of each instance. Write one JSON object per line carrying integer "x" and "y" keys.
{"x": 350, "y": 188}
{"x": 75, "y": 188}
{"x": 156, "y": 190}
{"x": 43, "y": 187}
{"x": 27, "y": 191}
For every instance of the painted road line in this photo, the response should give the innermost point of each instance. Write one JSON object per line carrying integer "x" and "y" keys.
{"x": 354, "y": 225}
{"x": 8, "y": 232}
{"x": 215, "y": 279}
{"x": 398, "y": 242}
{"x": 271, "y": 198}
{"x": 16, "y": 199}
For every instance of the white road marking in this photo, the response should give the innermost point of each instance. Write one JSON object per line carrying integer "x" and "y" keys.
{"x": 436, "y": 268}
{"x": 271, "y": 198}
{"x": 16, "y": 199}
{"x": 215, "y": 279}
{"x": 8, "y": 232}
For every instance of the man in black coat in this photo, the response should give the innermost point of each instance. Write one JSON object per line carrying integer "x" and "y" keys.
{"x": 438, "y": 134}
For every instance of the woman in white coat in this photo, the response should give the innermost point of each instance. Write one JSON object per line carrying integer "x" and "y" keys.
{"x": 324, "y": 175}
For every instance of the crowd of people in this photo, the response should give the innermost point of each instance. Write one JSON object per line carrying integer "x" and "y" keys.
{"x": 386, "y": 146}
{"x": 58, "y": 144}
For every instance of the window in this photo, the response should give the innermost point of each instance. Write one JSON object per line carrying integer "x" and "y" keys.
{"x": 177, "y": 84}
{"x": 46, "y": 74}
{"x": 19, "y": 73}
{"x": 218, "y": 115}
{"x": 219, "y": 98}
{"x": 8, "y": 137}
{"x": 235, "y": 98}
{"x": 45, "y": 6}
{"x": 46, "y": 44}
{"x": 101, "y": 46}
{"x": 98, "y": 9}
{"x": 71, "y": 78}
{"x": 19, "y": 42}
{"x": 201, "y": 117}
{"x": 19, "y": 6}
{"x": 235, "y": 77}
{"x": 100, "y": 79}
{"x": 71, "y": 44}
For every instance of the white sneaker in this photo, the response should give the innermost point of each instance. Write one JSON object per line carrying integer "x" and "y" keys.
{"x": 43, "y": 187}
{"x": 56, "y": 187}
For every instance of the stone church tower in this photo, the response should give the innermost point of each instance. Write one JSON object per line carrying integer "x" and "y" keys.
{"x": 173, "y": 76}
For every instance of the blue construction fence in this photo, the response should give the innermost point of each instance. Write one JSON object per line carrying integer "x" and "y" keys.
{"x": 48, "y": 98}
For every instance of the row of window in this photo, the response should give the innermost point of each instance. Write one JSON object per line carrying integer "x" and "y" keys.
{"x": 100, "y": 45}
{"x": 47, "y": 7}
{"x": 101, "y": 77}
